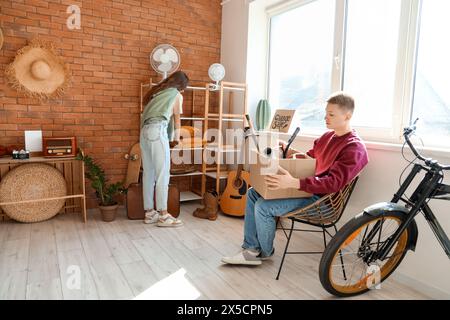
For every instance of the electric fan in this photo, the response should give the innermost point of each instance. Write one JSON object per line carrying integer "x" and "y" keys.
{"x": 216, "y": 72}
{"x": 165, "y": 59}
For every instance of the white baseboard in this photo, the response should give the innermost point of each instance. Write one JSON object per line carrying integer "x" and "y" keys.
{"x": 426, "y": 289}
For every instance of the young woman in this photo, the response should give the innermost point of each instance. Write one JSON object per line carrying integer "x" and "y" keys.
{"x": 159, "y": 123}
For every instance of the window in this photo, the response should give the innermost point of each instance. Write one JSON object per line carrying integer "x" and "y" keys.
{"x": 300, "y": 66}
{"x": 389, "y": 54}
{"x": 432, "y": 95}
{"x": 371, "y": 59}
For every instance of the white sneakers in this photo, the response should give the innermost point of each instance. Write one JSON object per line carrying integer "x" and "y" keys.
{"x": 247, "y": 257}
{"x": 167, "y": 220}
{"x": 151, "y": 216}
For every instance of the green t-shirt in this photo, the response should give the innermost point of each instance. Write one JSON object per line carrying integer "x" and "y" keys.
{"x": 161, "y": 106}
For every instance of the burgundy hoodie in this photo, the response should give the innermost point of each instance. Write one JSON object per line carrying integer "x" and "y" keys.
{"x": 338, "y": 161}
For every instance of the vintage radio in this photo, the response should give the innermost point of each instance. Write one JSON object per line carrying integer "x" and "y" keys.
{"x": 59, "y": 147}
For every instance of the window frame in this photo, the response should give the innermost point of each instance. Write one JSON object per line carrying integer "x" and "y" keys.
{"x": 404, "y": 74}
{"x": 336, "y": 74}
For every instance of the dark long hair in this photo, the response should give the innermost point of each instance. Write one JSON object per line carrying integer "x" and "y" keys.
{"x": 178, "y": 80}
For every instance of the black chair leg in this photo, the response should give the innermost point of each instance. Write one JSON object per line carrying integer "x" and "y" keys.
{"x": 324, "y": 238}
{"x": 285, "y": 249}
{"x": 335, "y": 229}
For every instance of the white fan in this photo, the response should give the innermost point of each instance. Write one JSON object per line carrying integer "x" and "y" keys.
{"x": 216, "y": 72}
{"x": 165, "y": 59}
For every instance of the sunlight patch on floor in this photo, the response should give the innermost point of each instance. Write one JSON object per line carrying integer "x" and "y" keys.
{"x": 173, "y": 287}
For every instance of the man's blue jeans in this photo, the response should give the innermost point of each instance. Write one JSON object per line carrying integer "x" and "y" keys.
{"x": 260, "y": 225}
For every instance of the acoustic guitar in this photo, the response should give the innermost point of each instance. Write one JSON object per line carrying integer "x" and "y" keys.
{"x": 234, "y": 198}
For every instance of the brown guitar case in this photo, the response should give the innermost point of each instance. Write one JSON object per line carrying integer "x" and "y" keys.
{"x": 173, "y": 201}
{"x": 135, "y": 201}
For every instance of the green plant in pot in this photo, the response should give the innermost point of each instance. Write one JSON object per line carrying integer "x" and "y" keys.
{"x": 106, "y": 192}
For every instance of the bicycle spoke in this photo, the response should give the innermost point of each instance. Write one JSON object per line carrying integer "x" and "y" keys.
{"x": 352, "y": 273}
{"x": 358, "y": 250}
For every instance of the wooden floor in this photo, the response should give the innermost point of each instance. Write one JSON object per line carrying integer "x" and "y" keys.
{"x": 127, "y": 259}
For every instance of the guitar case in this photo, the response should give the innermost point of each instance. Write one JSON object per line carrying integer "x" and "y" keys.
{"x": 135, "y": 201}
{"x": 173, "y": 201}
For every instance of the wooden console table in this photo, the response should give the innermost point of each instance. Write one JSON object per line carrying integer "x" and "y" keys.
{"x": 72, "y": 171}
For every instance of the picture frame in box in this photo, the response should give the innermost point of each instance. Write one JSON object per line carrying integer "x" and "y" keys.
{"x": 281, "y": 121}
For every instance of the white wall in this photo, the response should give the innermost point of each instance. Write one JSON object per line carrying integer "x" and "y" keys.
{"x": 241, "y": 54}
{"x": 244, "y": 42}
{"x": 234, "y": 39}
{"x": 234, "y": 52}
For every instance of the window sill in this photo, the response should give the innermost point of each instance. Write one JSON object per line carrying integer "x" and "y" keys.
{"x": 374, "y": 145}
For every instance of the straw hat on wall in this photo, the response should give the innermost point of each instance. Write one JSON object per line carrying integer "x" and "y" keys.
{"x": 38, "y": 72}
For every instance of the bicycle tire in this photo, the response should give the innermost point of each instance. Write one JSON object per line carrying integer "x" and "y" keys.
{"x": 344, "y": 237}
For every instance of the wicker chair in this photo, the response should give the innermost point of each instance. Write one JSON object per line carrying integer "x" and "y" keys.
{"x": 323, "y": 214}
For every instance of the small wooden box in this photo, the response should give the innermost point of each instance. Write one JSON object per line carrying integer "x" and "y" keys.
{"x": 73, "y": 172}
{"x": 59, "y": 147}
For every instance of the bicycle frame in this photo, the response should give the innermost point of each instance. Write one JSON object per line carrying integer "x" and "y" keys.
{"x": 429, "y": 188}
{"x": 386, "y": 250}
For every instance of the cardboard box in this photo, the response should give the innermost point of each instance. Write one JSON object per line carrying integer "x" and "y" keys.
{"x": 261, "y": 166}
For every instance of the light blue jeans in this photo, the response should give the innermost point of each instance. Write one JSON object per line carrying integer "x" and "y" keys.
{"x": 260, "y": 225}
{"x": 156, "y": 163}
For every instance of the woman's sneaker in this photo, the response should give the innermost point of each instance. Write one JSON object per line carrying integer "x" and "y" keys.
{"x": 151, "y": 216}
{"x": 168, "y": 220}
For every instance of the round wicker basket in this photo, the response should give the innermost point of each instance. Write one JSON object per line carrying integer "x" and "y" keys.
{"x": 33, "y": 181}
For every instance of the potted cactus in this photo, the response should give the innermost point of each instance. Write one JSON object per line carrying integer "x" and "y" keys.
{"x": 262, "y": 114}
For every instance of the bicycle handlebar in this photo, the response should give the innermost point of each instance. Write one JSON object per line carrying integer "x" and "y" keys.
{"x": 428, "y": 161}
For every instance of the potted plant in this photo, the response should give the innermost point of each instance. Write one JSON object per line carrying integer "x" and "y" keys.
{"x": 105, "y": 192}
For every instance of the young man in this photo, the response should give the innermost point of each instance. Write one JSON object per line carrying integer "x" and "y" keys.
{"x": 340, "y": 155}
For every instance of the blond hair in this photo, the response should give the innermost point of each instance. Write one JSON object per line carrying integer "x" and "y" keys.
{"x": 343, "y": 100}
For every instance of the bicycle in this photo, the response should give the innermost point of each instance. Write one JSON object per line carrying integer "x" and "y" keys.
{"x": 373, "y": 244}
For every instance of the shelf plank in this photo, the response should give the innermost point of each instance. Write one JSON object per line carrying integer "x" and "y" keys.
{"x": 227, "y": 115}
{"x": 222, "y": 149}
{"x": 191, "y": 118}
{"x": 189, "y": 196}
{"x": 223, "y": 174}
{"x": 196, "y": 173}
{"x": 187, "y": 148}
{"x": 37, "y": 159}
{"x": 225, "y": 119}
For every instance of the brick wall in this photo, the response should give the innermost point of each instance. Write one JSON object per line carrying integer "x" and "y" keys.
{"x": 108, "y": 59}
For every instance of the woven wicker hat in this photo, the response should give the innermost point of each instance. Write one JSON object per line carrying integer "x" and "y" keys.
{"x": 31, "y": 182}
{"x": 38, "y": 71}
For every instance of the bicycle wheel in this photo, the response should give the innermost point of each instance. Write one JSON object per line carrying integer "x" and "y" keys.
{"x": 347, "y": 264}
